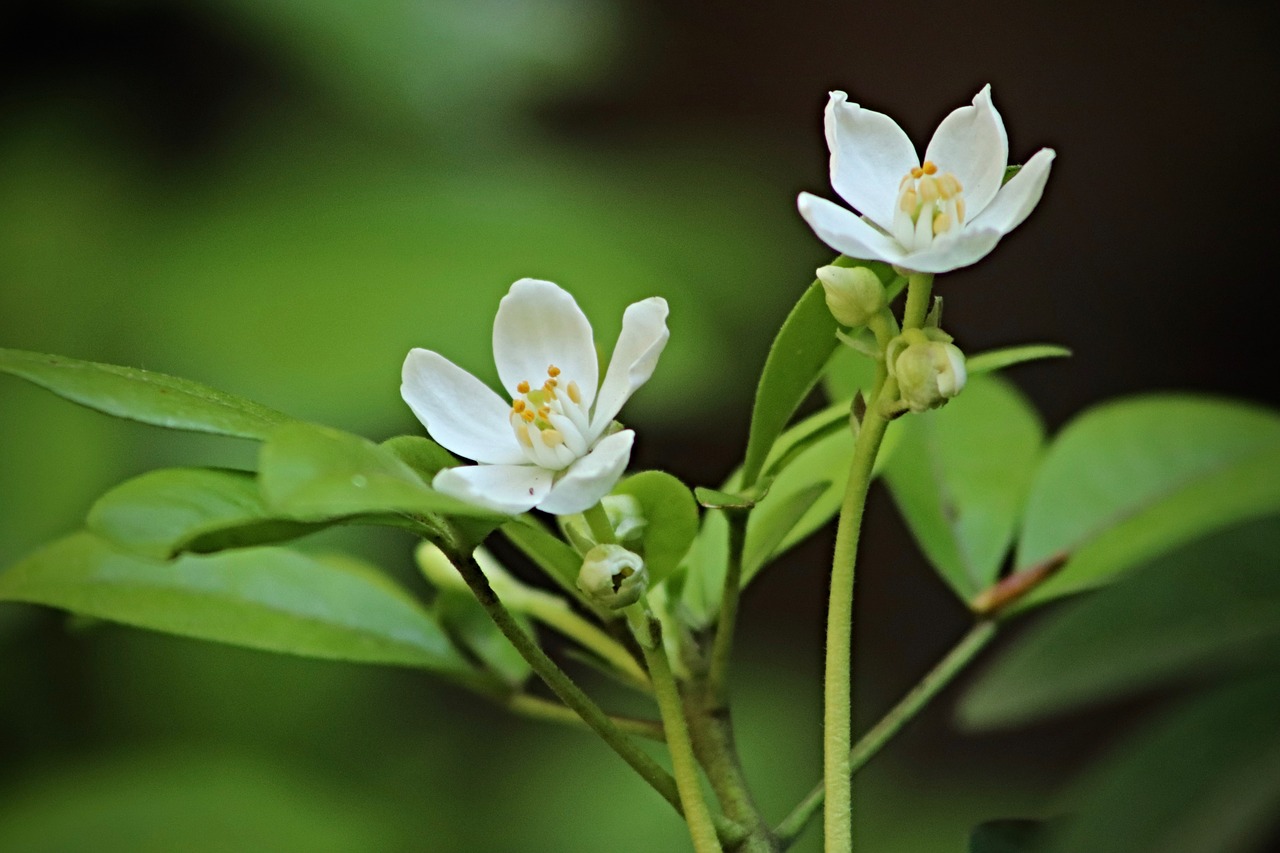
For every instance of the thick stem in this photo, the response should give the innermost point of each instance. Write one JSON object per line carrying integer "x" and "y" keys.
{"x": 598, "y": 520}
{"x": 722, "y": 646}
{"x": 882, "y": 732}
{"x": 696, "y": 811}
{"x": 919, "y": 289}
{"x": 838, "y": 694}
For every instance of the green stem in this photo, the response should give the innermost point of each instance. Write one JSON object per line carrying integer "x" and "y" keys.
{"x": 537, "y": 708}
{"x": 562, "y": 685}
{"x": 696, "y": 811}
{"x": 601, "y": 529}
{"x": 919, "y": 288}
{"x": 919, "y": 696}
{"x": 837, "y": 715}
{"x": 553, "y": 611}
{"x": 722, "y": 646}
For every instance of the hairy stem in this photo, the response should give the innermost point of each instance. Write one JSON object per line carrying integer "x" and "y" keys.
{"x": 882, "y": 732}
{"x": 722, "y": 646}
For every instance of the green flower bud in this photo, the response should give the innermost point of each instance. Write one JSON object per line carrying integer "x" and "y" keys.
{"x": 613, "y": 577}
{"x": 626, "y": 517}
{"x": 929, "y": 368}
{"x": 854, "y": 294}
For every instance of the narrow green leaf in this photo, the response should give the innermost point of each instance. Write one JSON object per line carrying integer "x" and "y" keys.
{"x": 848, "y": 373}
{"x": 1007, "y": 836}
{"x": 999, "y": 359}
{"x": 1205, "y": 777}
{"x": 704, "y": 568}
{"x": 672, "y": 516}
{"x": 142, "y": 395}
{"x": 560, "y": 562}
{"x": 421, "y": 454}
{"x": 163, "y": 513}
{"x": 799, "y": 353}
{"x": 1132, "y": 478}
{"x": 769, "y": 528}
{"x": 464, "y": 618}
{"x": 272, "y": 599}
{"x": 960, "y": 475}
{"x": 1210, "y": 606}
{"x": 315, "y": 473}
{"x": 716, "y": 499}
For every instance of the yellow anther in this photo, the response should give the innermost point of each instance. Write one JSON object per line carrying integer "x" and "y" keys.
{"x": 528, "y": 415}
{"x": 928, "y": 188}
{"x": 518, "y": 406}
{"x": 916, "y": 171}
{"x": 941, "y": 224}
{"x": 949, "y": 185}
{"x": 544, "y": 411}
{"x": 575, "y": 393}
{"x": 552, "y": 438}
{"x": 959, "y": 210}
{"x": 908, "y": 201}
{"x": 522, "y": 435}
{"x": 523, "y": 387}
{"x": 929, "y": 167}
{"x": 553, "y": 371}
{"x": 551, "y": 383}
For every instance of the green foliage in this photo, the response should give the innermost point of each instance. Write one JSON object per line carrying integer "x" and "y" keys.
{"x": 263, "y": 598}
{"x": 672, "y": 519}
{"x": 800, "y": 351}
{"x": 421, "y": 454}
{"x": 999, "y": 359}
{"x": 960, "y": 475}
{"x": 560, "y": 562}
{"x": 1006, "y": 836}
{"x": 465, "y": 620}
{"x": 1208, "y": 607}
{"x": 163, "y": 513}
{"x": 1132, "y": 478}
{"x": 142, "y": 395}
{"x": 316, "y": 473}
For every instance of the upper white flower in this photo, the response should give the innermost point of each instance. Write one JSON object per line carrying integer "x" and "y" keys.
{"x": 939, "y": 215}
{"x": 551, "y": 446}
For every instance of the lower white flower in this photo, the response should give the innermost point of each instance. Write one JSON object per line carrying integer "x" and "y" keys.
{"x": 552, "y": 447}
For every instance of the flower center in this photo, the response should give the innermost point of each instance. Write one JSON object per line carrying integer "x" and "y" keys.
{"x": 550, "y": 421}
{"x": 930, "y": 204}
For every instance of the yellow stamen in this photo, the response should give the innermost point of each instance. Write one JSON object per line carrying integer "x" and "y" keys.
{"x": 552, "y": 438}
{"x": 575, "y": 393}
{"x": 941, "y": 223}
{"x": 916, "y": 171}
{"x": 928, "y": 188}
{"x": 522, "y": 435}
{"x": 553, "y": 371}
{"x": 528, "y": 415}
{"x": 907, "y": 203}
{"x": 959, "y": 210}
{"x": 551, "y": 383}
{"x": 518, "y": 406}
{"x": 544, "y": 411}
{"x": 523, "y": 387}
{"x": 929, "y": 167}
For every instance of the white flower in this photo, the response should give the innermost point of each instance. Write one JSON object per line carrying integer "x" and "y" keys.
{"x": 551, "y": 448}
{"x": 931, "y": 217}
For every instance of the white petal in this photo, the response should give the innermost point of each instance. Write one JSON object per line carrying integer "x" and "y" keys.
{"x": 591, "y": 477}
{"x": 506, "y": 488}
{"x": 870, "y": 155}
{"x": 972, "y": 144}
{"x": 644, "y": 335}
{"x": 1019, "y": 197}
{"x": 540, "y": 325}
{"x": 843, "y": 231}
{"x": 460, "y": 411}
{"x": 968, "y": 246}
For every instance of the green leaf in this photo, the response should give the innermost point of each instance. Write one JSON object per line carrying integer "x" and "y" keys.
{"x": 799, "y": 353}
{"x": 672, "y": 516}
{"x": 560, "y": 562}
{"x": 769, "y": 529}
{"x": 716, "y": 499}
{"x": 1009, "y": 172}
{"x": 464, "y": 618}
{"x": 848, "y": 373}
{"x": 421, "y": 454}
{"x": 1007, "y": 836}
{"x": 960, "y": 475}
{"x": 141, "y": 395}
{"x": 163, "y": 513}
{"x": 704, "y": 568}
{"x": 1134, "y": 478}
{"x": 1205, "y": 777}
{"x": 315, "y": 473}
{"x": 272, "y": 599}
{"x": 999, "y": 359}
{"x": 1210, "y": 606}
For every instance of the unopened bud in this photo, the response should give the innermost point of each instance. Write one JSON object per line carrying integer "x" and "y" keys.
{"x": 613, "y": 577}
{"x": 929, "y": 368}
{"x": 854, "y": 294}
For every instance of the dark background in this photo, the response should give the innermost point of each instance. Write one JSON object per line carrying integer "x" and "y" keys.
{"x": 280, "y": 198}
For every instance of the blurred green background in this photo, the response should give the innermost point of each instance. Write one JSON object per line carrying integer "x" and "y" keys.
{"x": 280, "y": 198}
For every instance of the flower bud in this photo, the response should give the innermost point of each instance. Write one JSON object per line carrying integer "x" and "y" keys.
{"x": 626, "y": 517}
{"x": 613, "y": 577}
{"x": 929, "y": 368}
{"x": 854, "y": 294}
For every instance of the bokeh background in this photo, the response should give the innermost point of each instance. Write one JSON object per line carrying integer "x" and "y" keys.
{"x": 281, "y": 197}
